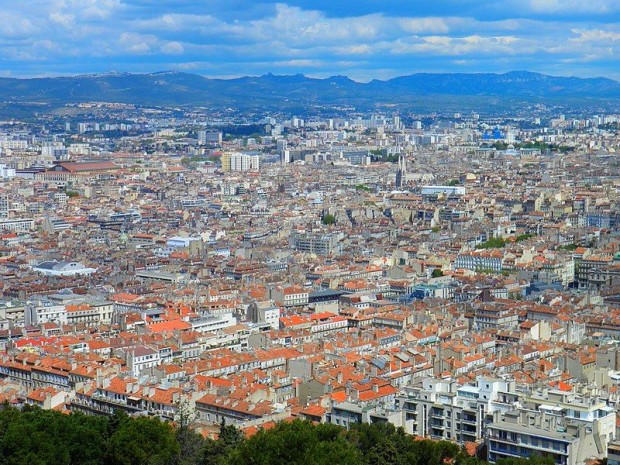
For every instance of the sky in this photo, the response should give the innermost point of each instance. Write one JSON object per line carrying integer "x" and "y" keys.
{"x": 362, "y": 39}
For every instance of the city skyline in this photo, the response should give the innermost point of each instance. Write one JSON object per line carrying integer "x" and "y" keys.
{"x": 366, "y": 40}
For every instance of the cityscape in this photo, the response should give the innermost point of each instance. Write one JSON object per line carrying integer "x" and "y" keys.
{"x": 285, "y": 250}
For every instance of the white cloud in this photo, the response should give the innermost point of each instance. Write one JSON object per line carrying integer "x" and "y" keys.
{"x": 79, "y": 32}
{"x": 574, "y": 6}
{"x": 424, "y": 25}
{"x": 136, "y": 44}
{"x": 595, "y": 35}
{"x": 172, "y": 48}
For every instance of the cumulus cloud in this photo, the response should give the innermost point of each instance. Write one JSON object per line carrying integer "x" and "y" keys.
{"x": 238, "y": 37}
{"x": 172, "y": 48}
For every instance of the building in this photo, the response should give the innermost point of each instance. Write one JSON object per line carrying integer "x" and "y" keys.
{"x": 480, "y": 260}
{"x": 54, "y": 268}
{"x": 52, "y": 225}
{"x": 440, "y": 409}
{"x": 264, "y": 312}
{"x": 523, "y": 433}
{"x": 445, "y": 190}
{"x": 319, "y": 244}
{"x": 44, "y": 311}
{"x": 78, "y": 172}
{"x": 401, "y": 172}
{"x": 209, "y": 137}
{"x": 234, "y": 161}
{"x": 17, "y": 224}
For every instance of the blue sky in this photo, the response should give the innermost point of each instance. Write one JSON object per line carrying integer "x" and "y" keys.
{"x": 363, "y": 39}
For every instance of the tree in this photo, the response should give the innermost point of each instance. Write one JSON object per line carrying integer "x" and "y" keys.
{"x": 298, "y": 442}
{"x": 190, "y": 443}
{"x": 493, "y": 243}
{"x": 229, "y": 439}
{"x": 329, "y": 219}
{"x": 143, "y": 441}
{"x": 437, "y": 273}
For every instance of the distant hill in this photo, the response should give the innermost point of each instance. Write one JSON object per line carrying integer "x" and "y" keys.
{"x": 174, "y": 88}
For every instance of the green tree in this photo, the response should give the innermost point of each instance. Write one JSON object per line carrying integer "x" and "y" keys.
{"x": 329, "y": 219}
{"x": 437, "y": 273}
{"x": 190, "y": 443}
{"x": 297, "y": 443}
{"x": 493, "y": 243}
{"x": 229, "y": 439}
{"x": 143, "y": 441}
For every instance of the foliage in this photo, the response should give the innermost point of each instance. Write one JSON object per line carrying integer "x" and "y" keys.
{"x": 72, "y": 194}
{"x": 362, "y": 187}
{"x": 493, "y": 243}
{"x": 569, "y": 247}
{"x": 437, "y": 273}
{"x": 329, "y": 219}
{"x": 299, "y": 442}
{"x": 143, "y": 441}
{"x": 43, "y": 437}
{"x": 523, "y": 237}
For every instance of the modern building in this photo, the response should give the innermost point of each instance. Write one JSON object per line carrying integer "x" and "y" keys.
{"x": 234, "y": 161}
{"x": 319, "y": 244}
{"x": 54, "y": 268}
{"x": 523, "y": 433}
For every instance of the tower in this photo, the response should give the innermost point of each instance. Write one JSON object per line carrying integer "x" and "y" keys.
{"x": 401, "y": 173}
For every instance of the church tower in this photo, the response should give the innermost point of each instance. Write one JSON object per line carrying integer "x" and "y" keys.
{"x": 401, "y": 173}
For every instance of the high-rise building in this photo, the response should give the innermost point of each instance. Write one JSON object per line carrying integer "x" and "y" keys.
{"x": 401, "y": 173}
{"x": 232, "y": 161}
{"x": 209, "y": 137}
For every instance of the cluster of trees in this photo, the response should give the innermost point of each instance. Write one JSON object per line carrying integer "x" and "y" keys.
{"x": 498, "y": 242}
{"x": 328, "y": 219}
{"x": 38, "y": 437}
{"x": 542, "y": 146}
{"x": 493, "y": 243}
{"x": 32, "y": 436}
{"x": 362, "y": 187}
{"x": 523, "y": 237}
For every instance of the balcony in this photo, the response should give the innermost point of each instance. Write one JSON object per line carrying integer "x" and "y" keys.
{"x": 496, "y": 437}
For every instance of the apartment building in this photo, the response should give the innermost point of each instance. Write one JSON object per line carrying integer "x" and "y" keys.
{"x": 523, "y": 433}
{"x": 443, "y": 410}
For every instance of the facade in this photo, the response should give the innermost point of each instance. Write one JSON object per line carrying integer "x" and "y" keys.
{"x": 480, "y": 260}
{"x": 446, "y": 190}
{"x": 521, "y": 433}
{"x": 17, "y": 224}
{"x": 442, "y": 410}
{"x": 318, "y": 244}
{"x": 236, "y": 161}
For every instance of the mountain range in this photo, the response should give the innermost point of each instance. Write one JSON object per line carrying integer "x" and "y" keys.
{"x": 299, "y": 91}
